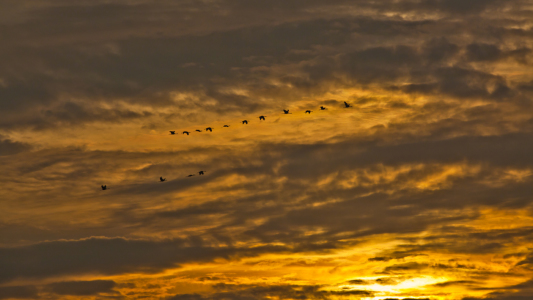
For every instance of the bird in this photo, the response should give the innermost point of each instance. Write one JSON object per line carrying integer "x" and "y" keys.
{"x": 209, "y": 128}
{"x": 198, "y": 130}
{"x": 286, "y": 111}
{"x": 308, "y": 111}
{"x": 172, "y": 132}
{"x": 262, "y": 118}
{"x": 190, "y": 175}
{"x": 245, "y": 122}
{"x": 186, "y": 132}
{"x": 322, "y": 108}
{"x": 225, "y": 126}
{"x": 104, "y": 187}
{"x": 201, "y": 173}
{"x": 162, "y": 179}
{"x": 346, "y": 105}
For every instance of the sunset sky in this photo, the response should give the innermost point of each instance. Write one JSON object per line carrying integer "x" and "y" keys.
{"x": 422, "y": 189}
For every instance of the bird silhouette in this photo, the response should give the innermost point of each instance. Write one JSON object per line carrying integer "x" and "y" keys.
{"x": 262, "y": 118}
{"x": 201, "y": 173}
{"x": 186, "y": 132}
{"x": 190, "y": 175}
{"x": 104, "y": 187}
{"x": 209, "y": 128}
{"x": 198, "y": 130}
{"x": 245, "y": 122}
{"x": 346, "y": 105}
{"x": 172, "y": 132}
{"x": 225, "y": 126}
{"x": 162, "y": 179}
{"x": 308, "y": 111}
{"x": 322, "y": 108}
{"x": 285, "y": 111}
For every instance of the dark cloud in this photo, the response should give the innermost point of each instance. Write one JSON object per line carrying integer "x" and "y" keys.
{"x": 406, "y": 298}
{"x": 80, "y": 52}
{"x": 106, "y": 256}
{"x": 225, "y": 291}
{"x": 520, "y": 291}
{"x": 490, "y": 52}
{"x": 405, "y": 267}
{"x": 481, "y": 52}
{"x": 457, "y": 282}
{"x": 19, "y": 292}
{"x": 82, "y": 288}
{"x": 9, "y": 147}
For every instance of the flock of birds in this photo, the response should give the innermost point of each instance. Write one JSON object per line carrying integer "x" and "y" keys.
{"x": 261, "y": 118}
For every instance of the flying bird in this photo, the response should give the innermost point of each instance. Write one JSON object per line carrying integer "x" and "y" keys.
{"x": 346, "y": 105}
{"x": 190, "y": 175}
{"x": 225, "y": 126}
{"x": 245, "y": 122}
{"x": 162, "y": 179}
{"x": 104, "y": 187}
{"x": 172, "y": 132}
{"x": 322, "y": 108}
{"x": 209, "y": 128}
{"x": 286, "y": 111}
{"x": 262, "y": 118}
{"x": 308, "y": 111}
{"x": 201, "y": 173}
{"x": 186, "y": 132}
{"x": 198, "y": 130}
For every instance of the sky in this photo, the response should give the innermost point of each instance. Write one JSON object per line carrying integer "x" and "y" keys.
{"x": 421, "y": 189}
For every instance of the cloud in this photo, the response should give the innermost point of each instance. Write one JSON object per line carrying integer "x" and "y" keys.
{"x": 520, "y": 291}
{"x": 251, "y": 292}
{"x": 106, "y": 256}
{"x": 436, "y": 147}
{"x": 71, "y": 74}
{"x": 19, "y": 292}
{"x": 82, "y": 288}
{"x": 9, "y": 147}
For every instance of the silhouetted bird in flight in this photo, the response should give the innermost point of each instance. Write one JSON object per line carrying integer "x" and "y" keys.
{"x": 172, "y": 132}
{"x": 201, "y": 173}
{"x": 190, "y": 175}
{"x": 346, "y": 105}
{"x": 104, "y": 187}
{"x": 162, "y": 179}
{"x": 209, "y": 128}
{"x": 262, "y": 118}
{"x": 308, "y": 112}
{"x": 322, "y": 108}
{"x": 198, "y": 130}
{"x": 186, "y": 132}
{"x": 225, "y": 126}
{"x": 286, "y": 111}
{"x": 245, "y": 122}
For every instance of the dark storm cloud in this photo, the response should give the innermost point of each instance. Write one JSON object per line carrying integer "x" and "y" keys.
{"x": 82, "y": 288}
{"x": 19, "y": 292}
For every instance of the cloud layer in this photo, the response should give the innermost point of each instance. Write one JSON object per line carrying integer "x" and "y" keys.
{"x": 420, "y": 190}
